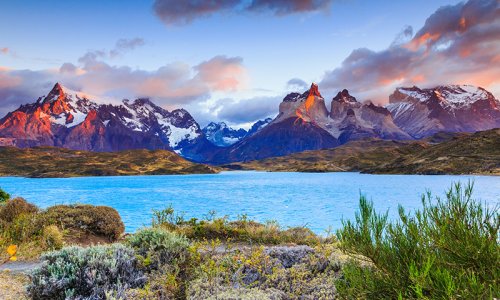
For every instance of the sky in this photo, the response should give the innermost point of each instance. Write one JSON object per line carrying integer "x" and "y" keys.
{"x": 234, "y": 60}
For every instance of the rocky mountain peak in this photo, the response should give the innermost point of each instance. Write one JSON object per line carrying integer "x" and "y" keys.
{"x": 56, "y": 93}
{"x": 344, "y": 96}
{"x": 314, "y": 90}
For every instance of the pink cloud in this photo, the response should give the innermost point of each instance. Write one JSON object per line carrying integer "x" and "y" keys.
{"x": 457, "y": 44}
{"x": 222, "y": 73}
{"x": 176, "y": 84}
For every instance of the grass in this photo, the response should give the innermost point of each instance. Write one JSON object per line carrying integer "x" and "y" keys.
{"x": 12, "y": 286}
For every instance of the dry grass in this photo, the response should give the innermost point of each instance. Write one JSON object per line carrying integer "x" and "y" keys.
{"x": 12, "y": 286}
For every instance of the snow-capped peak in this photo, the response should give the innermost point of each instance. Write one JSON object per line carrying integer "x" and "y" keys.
{"x": 453, "y": 96}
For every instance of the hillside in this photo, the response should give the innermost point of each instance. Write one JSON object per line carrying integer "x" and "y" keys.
{"x": 477, "y": 153}
{"x": 60, "y": 162}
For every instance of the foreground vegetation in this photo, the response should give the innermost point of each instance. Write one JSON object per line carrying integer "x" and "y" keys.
{"x": 447, "y": 250}
{"x": 60, "y": 162}
{"x": 477, "y": 153}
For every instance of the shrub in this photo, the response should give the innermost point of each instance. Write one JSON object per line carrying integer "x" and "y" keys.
{"x": 4, "y": 196}
{"x": 296, "y": 272}
{"x": 158, "y": 246}
{"x": 242, "y": 230}
{"x": 449, "y": 249}
{"x": 52, "y": 237}
{"x": 16, "y": 207}
{"x": 98, "y": 220}
{"x": 86, "y": 273}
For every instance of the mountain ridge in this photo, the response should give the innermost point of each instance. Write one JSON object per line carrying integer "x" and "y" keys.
{"x": 67, "y": 118}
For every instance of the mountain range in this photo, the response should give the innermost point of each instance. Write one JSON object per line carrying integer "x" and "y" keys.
{"x": 69, "y": 119}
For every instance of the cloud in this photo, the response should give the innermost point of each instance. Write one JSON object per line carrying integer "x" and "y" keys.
{"x": 122, "y": 46}
{"x": 457, "y": 44}
{"x": 296, "y": 84}
{"x": 175, "y": 84}
{"x": 285, "y": 7}
{"x": 174, "y": 12}
{"x": 4, "y": 50}
{"x": 222, "y": 73}
{"x": 245, "y": 110}
{"x": 403, "y": 37}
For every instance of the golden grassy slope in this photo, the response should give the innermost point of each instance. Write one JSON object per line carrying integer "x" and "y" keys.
{"x": 59, "y": 162}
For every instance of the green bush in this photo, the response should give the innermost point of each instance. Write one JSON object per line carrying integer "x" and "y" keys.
{"x": 86, "y": 273}
{"x": 158, "y": 246}
{"x": 447, "y": 250}
{"x": 241, "y": 230}
{"x": 16, "y": 207}
{"x": 98, "y": 220}
{"x": 4, "y": 196}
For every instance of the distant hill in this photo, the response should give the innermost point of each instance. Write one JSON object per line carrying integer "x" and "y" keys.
{"x": 59, "y": 162}
{"x": 477, "y": 153}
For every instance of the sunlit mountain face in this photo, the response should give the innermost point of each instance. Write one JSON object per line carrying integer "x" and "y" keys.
{"x": 67, "y": 118}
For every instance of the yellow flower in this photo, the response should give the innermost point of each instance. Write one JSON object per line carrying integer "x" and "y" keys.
{"x": 13, "y": 258}
{"x": 12, "y": 250}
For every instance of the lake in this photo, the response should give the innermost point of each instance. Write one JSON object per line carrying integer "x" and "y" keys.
{"x": 316, "y": 200}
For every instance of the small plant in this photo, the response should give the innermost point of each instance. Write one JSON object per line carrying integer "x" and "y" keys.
{"x": 86, "y": 273}
{"x": 52, "y": 237}
{"x": 167, "y": 218}
{"x": 11, "y": 252}
{"x": 4, "y": 196}
{"x": 447, "y": 250}
{"x": 158, "y": 246}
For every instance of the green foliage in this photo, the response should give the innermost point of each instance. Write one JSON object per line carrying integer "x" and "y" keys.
{"x": 158, "y": 246}
{"x": 4, "y": 196}
{"x": 19, "y": 221}
{"x": 86, "y": 273}
{"x": 98, "y": 220}
{"x": 242, "y": 230}
{"x": 447, "y": 250}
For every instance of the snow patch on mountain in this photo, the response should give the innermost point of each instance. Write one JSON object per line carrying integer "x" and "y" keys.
{"x": 220, "y": 134}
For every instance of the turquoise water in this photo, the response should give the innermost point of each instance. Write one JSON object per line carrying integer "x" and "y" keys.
{"x": 316, "y": 200}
